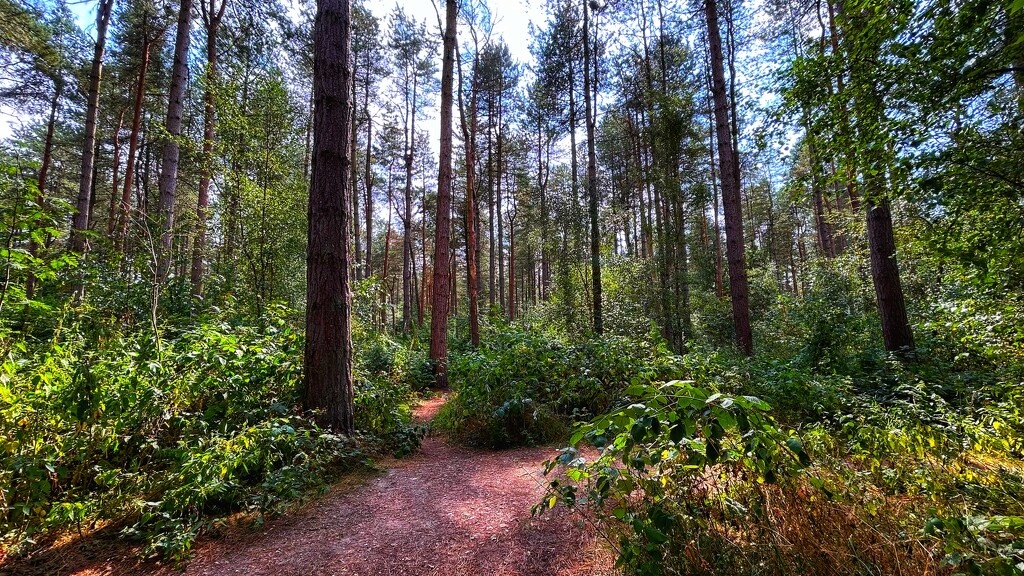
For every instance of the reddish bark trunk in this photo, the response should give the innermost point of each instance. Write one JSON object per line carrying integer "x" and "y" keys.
{"x": 441, "y": 288}
{"x": 731, "y": 199}
{"x": 328, "y": 355}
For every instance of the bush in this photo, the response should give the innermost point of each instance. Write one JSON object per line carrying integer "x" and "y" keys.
{"x": 680, "y": 472}
{"x": 526, "y": 387}
{"x": 169, "y": 437}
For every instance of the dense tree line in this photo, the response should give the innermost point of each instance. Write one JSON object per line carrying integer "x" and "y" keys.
{"x": 649, "y": 162}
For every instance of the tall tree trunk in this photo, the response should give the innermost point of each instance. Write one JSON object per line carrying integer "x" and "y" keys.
{"x": 421, "y": 304}
{"x": 387, "y": 252}
{"x": 168, "y": 182}
{"x": 133, "y": 144}
{"x": 500, "y": 240}
{"x": 885, "y": 274}
{"x": 357, "y": 268}
{"x": 212, "y": 15}
{"x": 115, "y": 186}
{"x": 442, "y": 250}
{"x": 472, "y": 248}
{"x": 490, "y": 207}
{"x": 595, "y": 231}
{"x": 80, "y": 225}
{"x": 574, "y": 168}
{"x": 844, "y": 118}
{"x": 731, "y": 199}
{"x": 328, "y": 354}
{"x": 368, "y": 173}
{"x": 407, "y": 253}
{"x": 511, "y": 269}
{"x": 44, "y": 170}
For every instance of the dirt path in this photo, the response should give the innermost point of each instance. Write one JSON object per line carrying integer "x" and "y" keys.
{"x": 445, "y": 511}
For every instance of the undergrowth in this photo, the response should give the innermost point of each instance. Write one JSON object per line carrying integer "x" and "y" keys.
{"x": 166, "y": 438}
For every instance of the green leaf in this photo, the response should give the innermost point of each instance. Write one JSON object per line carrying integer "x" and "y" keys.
{"x": 797, "y": 447}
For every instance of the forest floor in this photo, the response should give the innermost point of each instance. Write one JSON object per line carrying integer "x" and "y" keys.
{"x": 446, "y": 510}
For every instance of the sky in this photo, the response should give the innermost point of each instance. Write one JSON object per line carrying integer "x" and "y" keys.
{"x": 511, "y": 19}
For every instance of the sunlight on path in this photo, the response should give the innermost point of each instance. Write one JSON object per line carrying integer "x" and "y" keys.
{"x": 446, "y": 510}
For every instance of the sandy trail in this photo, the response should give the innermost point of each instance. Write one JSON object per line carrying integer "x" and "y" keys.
{"x": 447, "y": 510}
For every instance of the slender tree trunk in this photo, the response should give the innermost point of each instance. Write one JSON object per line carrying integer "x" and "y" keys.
{"x": 115, "y": 186}
{"x": 492, "y": 256}
{"x": 328, "y": 355}
{"x": 387, "y": 252}
{"x": 168, "y": 182}
{"x": 595, "y": 231}
{"x": 731, "y": 198}
{"x": 511, "y": 269}
{"x": 357, "y": 268}
{"x": 574, "y": 160}
{"x": 424, "y": 284}
{"x": 472, "y": 248}
{"x": 407, "y": 252}
{"x": 368, "y": 172}
{"x": 844, "y": 118}
{"x": 44, "y": 170}
{"x": 212, "y": 16}
{"x": 82, "y": 216}
{"x": 499, "y": 203}
{"x": 442, "y": 251}
{"x": 133, "y": 143}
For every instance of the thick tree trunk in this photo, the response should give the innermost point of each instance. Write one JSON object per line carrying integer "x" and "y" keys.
{"x": 168, "y": 182}
{"x": 731, "y": 198}
{"x": 885, "y": 274}
{"x": 328, "y": 355}
{"x": 80, "y": 224}
{"x": 595, "y": 231}
{"x": 212, "y": 16}
{"x": 442, "y": 251}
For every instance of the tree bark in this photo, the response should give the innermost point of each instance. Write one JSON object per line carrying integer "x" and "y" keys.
{"x": 44, "y": 170}
{"x": 731, "y": 199}
{"x": 168, "y": 183}
{"x": 133, "y": 144}
{"x": 441, "y": 289}
{"x": 212, "y": 15}
{"x": 80, "y": 225}
{"x": 368, "y": 173}
{"x": 885, "y": 274}
{"x": 407, "y": 253}
{"x": 595, "y": 231}
{"x": 469, "y": 136}
{"x": 328, "y": 354}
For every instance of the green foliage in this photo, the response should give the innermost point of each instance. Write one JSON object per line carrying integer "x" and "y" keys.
{"x": 101, "y": 425}
{"x": 525, "y": 387}
{"x": 678, "y": 463}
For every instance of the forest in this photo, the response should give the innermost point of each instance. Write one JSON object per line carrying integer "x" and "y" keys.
{"x": 652, "y": 287}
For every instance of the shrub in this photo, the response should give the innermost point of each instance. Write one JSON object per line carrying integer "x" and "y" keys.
{"x": 168, "y": 437}
{"x": 525, "y": 387}
{"x": 680, "y": 468}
